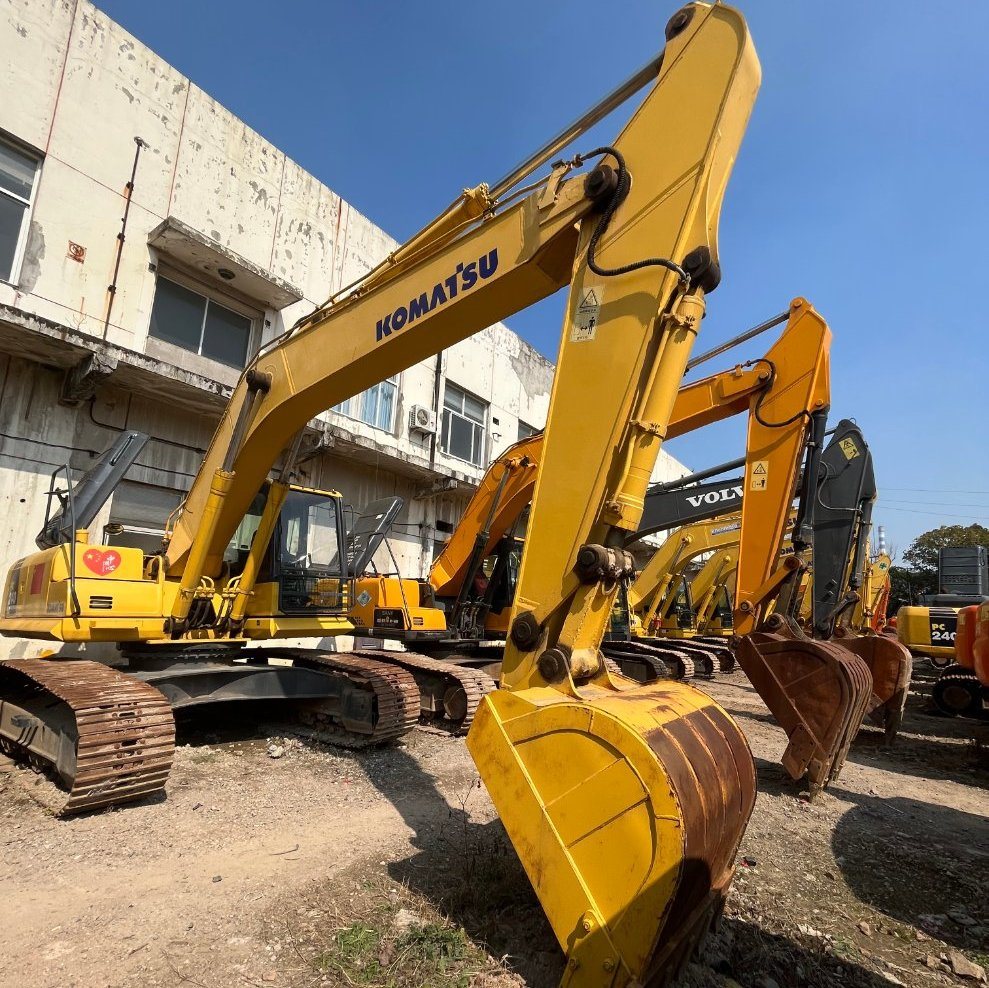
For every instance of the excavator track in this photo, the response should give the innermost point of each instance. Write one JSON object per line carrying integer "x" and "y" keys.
{"x": 106, "y": 736}
{"x": 394, "y": 695}
{"x": 448, "y": 693}
{"x": 720, "y": 652}
{"x": 706, "y": 659}
{"x": 958, "y": 693}
{"x": 648, "y": 663}
{"x": 726, "y": 654}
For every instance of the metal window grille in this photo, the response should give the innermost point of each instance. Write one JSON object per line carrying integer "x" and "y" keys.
{"x": 463, "y": 430}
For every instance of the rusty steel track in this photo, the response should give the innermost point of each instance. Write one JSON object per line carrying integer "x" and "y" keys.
{"x": 395, "y": 707}
{"x": 448, "y": 692}
{"x": 108, "y": 737}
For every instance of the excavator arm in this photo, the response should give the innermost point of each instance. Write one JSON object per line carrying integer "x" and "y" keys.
{"x": 626, "y": 804}
{"x": 650, "y": 588}
{"x": 592, "y": 778}
{"x": 716, "y": 575}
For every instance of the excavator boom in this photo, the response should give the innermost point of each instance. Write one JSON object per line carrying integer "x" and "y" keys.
{"x": 626, "y": 804}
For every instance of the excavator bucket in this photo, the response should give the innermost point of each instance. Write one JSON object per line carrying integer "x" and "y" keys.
{"x": 818, "y": 691}
{"x": 626, "y": 809}
{"x": 891, "y": 666}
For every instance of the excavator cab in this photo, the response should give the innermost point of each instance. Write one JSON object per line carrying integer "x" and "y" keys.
{"x": 307, "y": 559}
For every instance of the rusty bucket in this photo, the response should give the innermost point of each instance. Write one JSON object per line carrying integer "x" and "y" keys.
{"x": 891, "y": 665}
{"x": 819, "y": 693}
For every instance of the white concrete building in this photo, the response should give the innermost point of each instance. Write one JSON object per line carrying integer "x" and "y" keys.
{"x": 149, "y": 242}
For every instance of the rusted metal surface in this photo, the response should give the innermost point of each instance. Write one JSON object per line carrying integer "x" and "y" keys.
{"x": 394, "y": 707}
{"x": 120, "y": 730}
{"x": 818, "y": 692}
{"x": 448, "y": 693}
{"x": 891, "y": 666}
{"x": 712, "y": 775}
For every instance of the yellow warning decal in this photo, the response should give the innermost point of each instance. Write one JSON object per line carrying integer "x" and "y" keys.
{"x": 760, "y": 475}
{"x": 849, "y": 448}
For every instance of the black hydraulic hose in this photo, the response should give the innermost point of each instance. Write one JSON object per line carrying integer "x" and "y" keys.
{"x": 621, "y": 190}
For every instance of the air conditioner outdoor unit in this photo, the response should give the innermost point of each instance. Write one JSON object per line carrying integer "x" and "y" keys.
{"x": 422, "y": 419}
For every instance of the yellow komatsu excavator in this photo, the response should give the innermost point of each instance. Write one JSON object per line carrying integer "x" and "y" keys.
{"x": 871, "y": 610}
{"x": 625, "y": 803}
{"x": 638, "y": 641}
{"x": 712, "y": 590}
{"x": 661, "y": 615}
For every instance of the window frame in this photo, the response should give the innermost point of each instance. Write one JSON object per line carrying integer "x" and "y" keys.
{"x": 529, "y": 431}
{"x": 355, "y": 407}
{"x": 482, "y": 425}
{"x": 18, "y": 259}
{"x": 216, "y": 295}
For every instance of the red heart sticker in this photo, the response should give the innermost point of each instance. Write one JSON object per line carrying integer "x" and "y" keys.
{"x": 101, "y": 563}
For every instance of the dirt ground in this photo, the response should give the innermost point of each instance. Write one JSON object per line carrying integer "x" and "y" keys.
{"x": 327, "y": 867}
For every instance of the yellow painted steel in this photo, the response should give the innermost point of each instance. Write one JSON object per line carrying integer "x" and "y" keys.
{"x": 581, "y": 769}
{"x": 716, "y": 577}
{"x": 403, "y": 596}
{"x": 626, "y": 804}
{"x": 667, "y": 563}
{"x": 615, "y": 809}
{"x": 503, "y": 494}
{"x": 875, "y": 589}
{"x": 924, "y": 631}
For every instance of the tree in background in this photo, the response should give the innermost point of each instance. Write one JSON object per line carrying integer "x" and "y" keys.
{"x": 919, "y": 576}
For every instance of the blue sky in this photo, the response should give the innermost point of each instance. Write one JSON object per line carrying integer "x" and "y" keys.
{"x": 861, "y": 184}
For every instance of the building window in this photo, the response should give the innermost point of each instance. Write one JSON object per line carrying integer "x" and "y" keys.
{"x": 18, "y": 174}
{"x": 464, "y": 418}
{"x": 376, "y": 406}
{"x": 200, "y": 324}
{"x": 526, "y": 430}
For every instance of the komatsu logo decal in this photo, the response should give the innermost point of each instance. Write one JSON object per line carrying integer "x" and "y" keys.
{"x": 715, "y": 497}
{"x": 463, "y": 279}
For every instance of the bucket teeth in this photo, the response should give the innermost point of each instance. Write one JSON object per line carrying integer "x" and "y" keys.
{"x": 818, "y": 692}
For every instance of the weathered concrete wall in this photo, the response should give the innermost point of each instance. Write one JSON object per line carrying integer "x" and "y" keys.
{"x": 101, "y": 88}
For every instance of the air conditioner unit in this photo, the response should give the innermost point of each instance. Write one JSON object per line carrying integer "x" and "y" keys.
{"x": 422, "y": 419}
